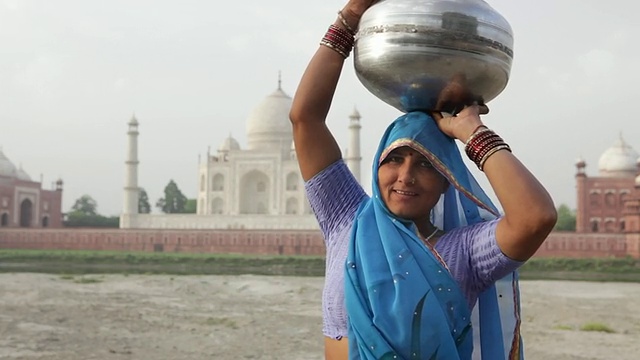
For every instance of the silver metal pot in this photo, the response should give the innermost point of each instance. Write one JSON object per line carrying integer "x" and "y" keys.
{"x": 433, "y": 54}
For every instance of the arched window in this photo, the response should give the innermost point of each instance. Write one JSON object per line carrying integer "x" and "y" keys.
{"x": 623, "y": 196}
{"x": 4, "y": 220}
{"x": 292, "y": 206}
{"x": 610, "y": 199}
{"x": 26, "y": 211}
{"x": 594, "y": 199}
{"x": 217, "y": 183}
{"x": 202, "y": 182}
{"x": 622, "y": 225}
{"x": 292, "y": 181}
{"x": 610, "y": 226}
{"x": 45, "y": 222}
{"x": 217, "y": 206}
{"x": 594, "y": 225}
{"x": 254, "y": 197}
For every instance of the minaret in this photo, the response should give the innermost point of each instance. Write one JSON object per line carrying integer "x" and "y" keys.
{"x": 582, "y": 221}
{"x": 131, "y": 189}
{"x": 353, "y": 151}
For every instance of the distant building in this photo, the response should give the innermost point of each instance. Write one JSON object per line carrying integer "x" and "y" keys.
{"x": 264, "y": 178}
{"x": 23, "y": 202}
{"x": 601, "y": 199}
{"x": 258, "y": 187}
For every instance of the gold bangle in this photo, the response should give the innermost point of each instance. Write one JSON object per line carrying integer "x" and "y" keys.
{"x": 334, "y": 48}
{"x": 345, "y": 23}
{"x": 479, "y": 130}
{"x": 491, "y": 152}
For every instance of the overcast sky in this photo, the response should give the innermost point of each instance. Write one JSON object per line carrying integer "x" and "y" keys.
{"x": 73, "y": 72}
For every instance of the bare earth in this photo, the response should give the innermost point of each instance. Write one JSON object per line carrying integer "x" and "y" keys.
{"x": 262, "y": 317}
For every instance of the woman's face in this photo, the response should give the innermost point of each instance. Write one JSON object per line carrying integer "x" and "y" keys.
{"x": 410, "y": 186}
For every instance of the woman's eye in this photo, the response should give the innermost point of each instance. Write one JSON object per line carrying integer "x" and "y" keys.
{"x": 426, "y": 164}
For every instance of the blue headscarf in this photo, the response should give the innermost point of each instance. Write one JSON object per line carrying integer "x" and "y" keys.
{"x": 401, "y": 301}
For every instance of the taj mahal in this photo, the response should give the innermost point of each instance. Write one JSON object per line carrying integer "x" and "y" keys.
{"x": 257, "y": 187}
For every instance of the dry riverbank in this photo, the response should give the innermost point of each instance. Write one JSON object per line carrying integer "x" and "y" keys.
{"x": 263, "y": 317}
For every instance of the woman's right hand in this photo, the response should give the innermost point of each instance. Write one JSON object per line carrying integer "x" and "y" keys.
{"x": 354, "y": 9}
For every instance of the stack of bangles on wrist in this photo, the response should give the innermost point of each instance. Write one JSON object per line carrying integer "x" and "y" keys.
{"x": 482, "y": 144}
{"x": 338, "y": 39}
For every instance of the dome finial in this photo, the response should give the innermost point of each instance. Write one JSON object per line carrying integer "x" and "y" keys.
{"x": 134, "y": 120}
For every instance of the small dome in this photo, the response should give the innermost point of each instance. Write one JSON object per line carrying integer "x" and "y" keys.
{"x": 580, "y": 162}
{"x": 22, "y": 175}
{"x": 620, "y": 160}
{"x": 268, "y": 125}
{"x": 355, "y": 114}
{"x": 6, "y": 166}
{"x": 229, "y": 144}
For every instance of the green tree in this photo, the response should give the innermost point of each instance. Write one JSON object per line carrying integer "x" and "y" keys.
{"x": 173, "y": 201}
{"x": 84, "y": 213}
{"x": 143, "y": 202}
{"x": 191, "y": 207}
{"x": 566, "y": 219}
{"x": 85, "y": 205}
{"x": 76, "y": 219}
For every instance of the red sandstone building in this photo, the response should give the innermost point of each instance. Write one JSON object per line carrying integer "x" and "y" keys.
{"x": 608, "y": 209}
{"x": 23, "y": 202}
{"x": 601, "y": 199}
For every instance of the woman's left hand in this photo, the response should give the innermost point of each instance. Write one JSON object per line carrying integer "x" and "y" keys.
{"x": 463, "y": 124}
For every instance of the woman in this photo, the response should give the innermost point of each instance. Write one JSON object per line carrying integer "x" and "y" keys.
{"x": 406, "y": 267}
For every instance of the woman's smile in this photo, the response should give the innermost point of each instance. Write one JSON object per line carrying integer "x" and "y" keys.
{"x": 405, "y": 193}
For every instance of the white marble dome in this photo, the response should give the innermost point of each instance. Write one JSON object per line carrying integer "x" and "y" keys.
{"x": 6, "y": 166}
{"x": 229, "y": 144}
{"x": 620, "y": 160}
{"x": 268, "y": 125}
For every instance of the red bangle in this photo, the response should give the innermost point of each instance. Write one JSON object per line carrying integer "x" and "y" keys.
{"x": 339, "y": 40}
{"x": 494, "y": 150}
{"x": 482, "y": 144}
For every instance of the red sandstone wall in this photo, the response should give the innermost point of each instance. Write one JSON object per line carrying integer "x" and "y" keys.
{"x": 559, "y": 244}
{"x": 197, "y": 241}
{"x": 577, "y": 245}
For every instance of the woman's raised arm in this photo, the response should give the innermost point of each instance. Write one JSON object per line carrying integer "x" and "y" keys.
{"x": 316, "y": 148}
{"x": 529, "y": 212}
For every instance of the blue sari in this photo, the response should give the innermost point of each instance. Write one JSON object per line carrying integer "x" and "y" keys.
{"x": 402, "y": 302}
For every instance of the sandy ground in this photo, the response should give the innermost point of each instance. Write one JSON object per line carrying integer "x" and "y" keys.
{"x": 261, "y": 317}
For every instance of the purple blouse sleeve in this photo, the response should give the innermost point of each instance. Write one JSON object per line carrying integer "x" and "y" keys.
{"x": 334, "y": 195}
{"x": 474, "y": 257}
